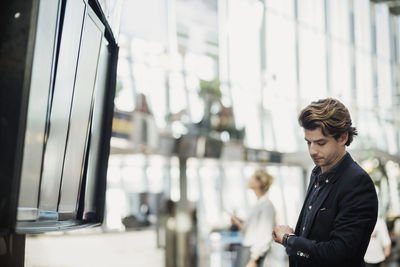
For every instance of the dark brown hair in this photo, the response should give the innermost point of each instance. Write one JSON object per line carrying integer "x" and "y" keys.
{"x": 331, "y": 116}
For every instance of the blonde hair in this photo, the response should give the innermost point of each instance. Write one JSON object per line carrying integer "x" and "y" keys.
{"x": 331, "y": 116}
{"x": 264, "y": 178}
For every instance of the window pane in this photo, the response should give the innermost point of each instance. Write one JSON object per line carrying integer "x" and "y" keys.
{"x": 364, "y": 80}
{"x": 339, "y": 19}
{"x": 311, "y": 14}
{"x": 362, "y": 24}
{"x": 382, "y": 31}
{"x": 312, "y": 67}
{"x": 282, "y": 7}
{"x": 384, "y": 84}
{"x": 281, "y": 57}
{"x": 340, "y": 75}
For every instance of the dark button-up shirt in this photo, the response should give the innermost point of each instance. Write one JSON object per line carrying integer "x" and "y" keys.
{"x": 321, "y": 179}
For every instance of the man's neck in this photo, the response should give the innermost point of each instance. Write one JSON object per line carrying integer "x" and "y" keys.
{"x": 340, "y": 156}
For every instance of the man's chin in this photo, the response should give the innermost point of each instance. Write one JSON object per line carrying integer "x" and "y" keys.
{"x": 318, "y": 163}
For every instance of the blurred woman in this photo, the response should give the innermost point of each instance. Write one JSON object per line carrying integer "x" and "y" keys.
{"x": 258, "y": 226}
{"x": 379, "y": 246}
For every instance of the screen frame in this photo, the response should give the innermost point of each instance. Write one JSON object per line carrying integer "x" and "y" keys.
{"x": 18, "y": 43}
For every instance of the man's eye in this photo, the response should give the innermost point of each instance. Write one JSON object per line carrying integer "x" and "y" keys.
{"x": 321, "y": 144}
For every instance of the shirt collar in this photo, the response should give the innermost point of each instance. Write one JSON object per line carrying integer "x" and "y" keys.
{"x": 320, "y": 177}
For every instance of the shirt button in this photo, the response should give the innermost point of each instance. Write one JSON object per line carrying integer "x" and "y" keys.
{"x": 309, "y": 207}
{"x": 326, "y": 181}
{"x": 304, "y": 228}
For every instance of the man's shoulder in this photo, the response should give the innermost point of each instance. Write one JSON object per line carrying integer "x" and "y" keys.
{"x": 355, "y": 174}
{"x": 351, "y": 167}
{"x": 355, "y": 168}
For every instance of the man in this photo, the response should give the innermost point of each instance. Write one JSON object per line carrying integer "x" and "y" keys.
{"x": 340, "y": 209}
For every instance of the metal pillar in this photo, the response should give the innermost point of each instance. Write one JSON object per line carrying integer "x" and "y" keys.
{"x": 180, "y": 227}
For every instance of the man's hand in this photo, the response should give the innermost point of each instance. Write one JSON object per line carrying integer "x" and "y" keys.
{"x": 279, "y": 231}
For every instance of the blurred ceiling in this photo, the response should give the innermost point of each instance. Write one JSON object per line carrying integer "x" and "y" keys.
{"x": 394, "y": 5}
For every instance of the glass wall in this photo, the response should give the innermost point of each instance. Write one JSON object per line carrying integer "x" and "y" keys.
{"x": 270, "y": 59}
{"x": 287, "y": 54}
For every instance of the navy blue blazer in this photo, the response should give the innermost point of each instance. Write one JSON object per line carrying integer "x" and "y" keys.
{"x": 343, "y": 218}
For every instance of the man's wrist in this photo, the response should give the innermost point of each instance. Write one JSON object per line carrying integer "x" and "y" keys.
{"x": 285, "y": 239}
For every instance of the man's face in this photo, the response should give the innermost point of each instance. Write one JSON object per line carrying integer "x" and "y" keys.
{"x": 325, "y": 151}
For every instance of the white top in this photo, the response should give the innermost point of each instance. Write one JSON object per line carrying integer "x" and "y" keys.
{"x": 258, "y": 227}
{"x": 379, "y": 240}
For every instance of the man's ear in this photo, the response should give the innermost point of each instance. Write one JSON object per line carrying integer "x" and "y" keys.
{"x": 343, "y": 138}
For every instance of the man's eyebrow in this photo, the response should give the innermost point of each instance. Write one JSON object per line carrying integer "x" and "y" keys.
{"x": 316, "y": 141}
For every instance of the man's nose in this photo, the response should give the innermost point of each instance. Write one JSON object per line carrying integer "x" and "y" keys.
{"x": 312, "y": 149}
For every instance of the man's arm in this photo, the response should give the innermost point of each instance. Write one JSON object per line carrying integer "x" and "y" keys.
{"x": 356, "y": 213}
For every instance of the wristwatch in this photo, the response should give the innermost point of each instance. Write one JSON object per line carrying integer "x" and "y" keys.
{"x": 285, "y": 239}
